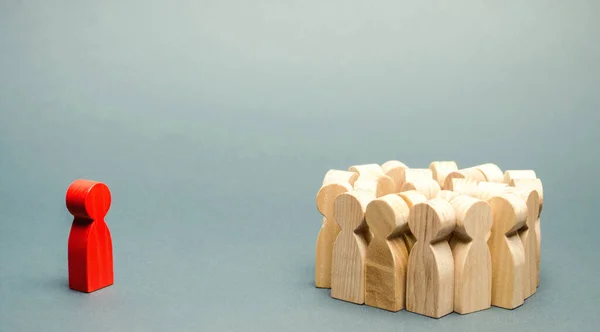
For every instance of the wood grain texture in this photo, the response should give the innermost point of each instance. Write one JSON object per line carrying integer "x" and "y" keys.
{"x": 428, "y": 187}
{"x": 387, "y": 255}
{"x": 472, "y": 258}
{"x": 492, "y": 172}
{"x": 465, "y": 173}
{"x": 411, "y": 198}
{"x": 529, "y": 237}
{"x": 508, "y": 254}
{"x": 394, "y": 169}
{"x": 537, "y": 185}
{"x": 335, "y": 182}
{"x": 430, "y": 275}
{"x": 90, "y": 256}
{"x": 447, "y": 195}
{"x": 441, "y": 169}
{"x": 350, "y": 246}
{"x": 518, "y": 174}
{"x": 462, "y": 185}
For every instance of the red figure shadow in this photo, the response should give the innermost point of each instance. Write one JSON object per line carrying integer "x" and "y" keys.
{"x": 90, "y": 244}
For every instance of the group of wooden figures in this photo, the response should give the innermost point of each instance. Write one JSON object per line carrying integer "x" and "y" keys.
{"x": 432, "y": 240}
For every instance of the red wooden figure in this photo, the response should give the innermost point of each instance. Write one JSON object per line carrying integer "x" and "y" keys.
{"x": 90, "y": 245}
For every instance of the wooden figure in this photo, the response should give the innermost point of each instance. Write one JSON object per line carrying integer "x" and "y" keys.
{"x": 487, "y": 190}
{"x": 430, "y": 276}
{"x": 492, "y": 172}
{"x": 428, "y": 187}
{"x": 508, "y": 254}
{"x": 518, "y": 174}
{"x": 411, "y": 174}
{"x": 448, "y": 195}
{"x": 529, "y": 237}
{"x": 537, "y": 185}
{"x": 462, "y": 185}
{"x": 367, "y": 170}
{"x": 466, "y": 173}
{"x": 411, "y": 198}
{"x": 387, "y": 254}
{"x": 90, "y": 246}
{"x": 380, "y": 185}
{"x": 472, "y": 258}
{"x": 441, "y": 169}
{"x": 395, "y": 170}
{"x": 350, "y": 246}
{"x": 336, "y": 182}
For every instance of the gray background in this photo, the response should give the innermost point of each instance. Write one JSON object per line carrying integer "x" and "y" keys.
{"x": 213, "y": 123}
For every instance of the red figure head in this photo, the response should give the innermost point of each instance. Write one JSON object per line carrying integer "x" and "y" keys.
{"x": 88, "y": 199}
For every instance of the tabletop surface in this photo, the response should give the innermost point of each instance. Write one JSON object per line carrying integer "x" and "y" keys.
{"x": 214, "y": 122}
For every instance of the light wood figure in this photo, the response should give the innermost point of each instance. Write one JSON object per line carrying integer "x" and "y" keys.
{"x": 466, "y": 173}
{"x": 448, "y": 195}
{"x": 395, "y": 170}
{"x": 387, "y": 254}
{"x": 537, "y": 185}
{"x": 350, "y": 246}
{"x": 335, "y": 183}
{"x": 492, "y": 172}
{"x": 508, "y": 254}
{"x": 370, "y": 170}
{"x": 529, "y": 237}
{"x": 411, "y": 198}
{"x": 411, "y": 174}
{"x": 441, "y": 169}
{"x": 518, "y": 174}
{"x": 430, "y": 275}
{"x": 428, "y": 187}
{"x": 487, "y": 190}
{"x": 472, "y": 258}
{"x": 380, "y": 185}
{"x": 463, "y": 186}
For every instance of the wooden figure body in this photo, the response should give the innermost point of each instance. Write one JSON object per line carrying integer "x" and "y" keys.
{"x": 411, "y": 198}
{"x": 350, "y": 246}
{"x": 466, "y": 173}
{"x": 395, "y": 170}
{"x": 529, "y": 238}
{"x": 428, "y": 187}
{"x": 441, "y": 169}
{"x": 335, "y": 183}
{"x": 472, "y": 258}
{"x": 508, "y": 254}
{"x": 491, "y": 172}
{"x": 90, "y": 257}
{"x": 430, "y": 275}
{"x": 535, "y": 184}
{"x": 387, "y": 255}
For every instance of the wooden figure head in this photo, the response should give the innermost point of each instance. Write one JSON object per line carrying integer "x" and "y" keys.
{"x": 432, "y": 221}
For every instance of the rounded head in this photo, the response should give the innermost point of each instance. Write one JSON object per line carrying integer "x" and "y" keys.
{"x": 448, "y": 185}
{"x": 428, "y": 187}
{"x": 349, "y": 208}
{"x": 447, "y": 195}
{"x": 441, "y": 169}
{"x": 510, "y": 213}
{"x": 531, "y": 183}
{"x": 386, "y": 215}
{"x": 519, "y": 174}
{"x": 492, "y": 172}
{"x": 337, "y": 176}
{"x": 88, "y": 199}
{"x": 327, "y": 194}
{"x": 432, "y": 221}
{"x": 473, "y": 217}
{"x": 395, "y": 170}
{"x": 367, "y": 170}
{"x": 412, "y": 197}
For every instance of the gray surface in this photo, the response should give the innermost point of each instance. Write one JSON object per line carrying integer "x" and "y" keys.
{"x": 214, "y": 123}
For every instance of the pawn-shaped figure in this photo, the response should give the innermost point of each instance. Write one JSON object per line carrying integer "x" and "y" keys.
{"x": 387, "y": 254}
{"x": 430, "y": 277}
{"x": 350, "y": 247}
{"x": 508, "y": 253}
{"x": 90, "y": 246}
{"x": 472, "y": 258}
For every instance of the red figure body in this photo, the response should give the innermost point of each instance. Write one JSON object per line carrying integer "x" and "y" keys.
{"x": 90, "y": 245}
